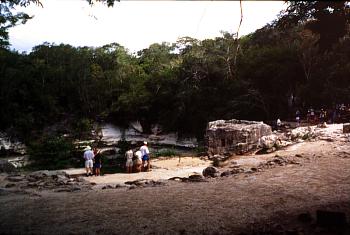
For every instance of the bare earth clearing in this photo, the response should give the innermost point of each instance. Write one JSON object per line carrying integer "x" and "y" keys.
{"x": 267, "y": 200}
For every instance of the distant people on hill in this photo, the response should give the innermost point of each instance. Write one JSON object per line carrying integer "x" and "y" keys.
{"x": 129, "y": 155}
{"x": 145, "y": 157}
{"x": 138, "y": 161}
{"x": 310, "y": 117}
{"x": 322, "y": 116}
{"x": 97, "y": 162}
{"x": 297, "y": 117}
{"x": 279, "y": 123}
{"x": 88, "y": 157}
{"x": 334, "y": 116}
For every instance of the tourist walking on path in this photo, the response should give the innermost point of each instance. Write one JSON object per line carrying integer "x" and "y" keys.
{"x": 129, "y": 155}
{"x": 88, "y": 156}
{"x": 98, "y": 162}
{"x": 145, "y": 156}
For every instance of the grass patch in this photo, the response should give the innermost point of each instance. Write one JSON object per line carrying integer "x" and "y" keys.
{"x": 166, "y": 153}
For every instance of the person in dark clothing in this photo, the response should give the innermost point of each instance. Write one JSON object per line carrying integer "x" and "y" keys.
{"x": 98, "y": 162}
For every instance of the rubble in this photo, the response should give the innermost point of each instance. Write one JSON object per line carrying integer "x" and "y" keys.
{"x": 277, "y": 161}
{"x": 191, "y": 178}
{"x": 303, "y": 133}
{"x": 145, "y": 183}
{"x": 211, "y": 171}
{"x": 58, "y": 181}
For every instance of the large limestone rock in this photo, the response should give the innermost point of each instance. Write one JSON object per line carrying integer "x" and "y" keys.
{"x": 6, "y": 166}
{"x": 234, "y": 136}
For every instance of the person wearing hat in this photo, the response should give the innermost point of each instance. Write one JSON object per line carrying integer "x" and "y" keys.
{"x": 145, "y": 156}
{"x": 88, "y": 156}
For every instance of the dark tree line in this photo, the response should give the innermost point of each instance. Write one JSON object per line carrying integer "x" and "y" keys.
{"x": 286, "y": 65}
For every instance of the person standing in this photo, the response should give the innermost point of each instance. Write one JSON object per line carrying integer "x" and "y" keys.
{"x": 88, "y": 156}
{"x": 129, "y": 155}
{"x": 138, "y": 161}
{"x": 297, "y": 117}
{"x": 98, "y": 162}
{"x": 145, "y": 156}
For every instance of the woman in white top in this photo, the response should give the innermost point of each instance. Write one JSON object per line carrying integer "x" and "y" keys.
{"x": 129, "y": 154}
{"x": 138, "y": 161}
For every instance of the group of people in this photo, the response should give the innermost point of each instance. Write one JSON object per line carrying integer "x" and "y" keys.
{"x": 140, "y": 161}
{"x": 135, "y": 162}
{"x": 93, "y": 161}
{"x": 330, "y": 115}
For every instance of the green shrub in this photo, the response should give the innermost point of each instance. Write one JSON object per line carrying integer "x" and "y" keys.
{"x": 52, "y": 153}
{"x": 201, "y": 150}
{"x": 123, "y": 146}
{"x": 83, "y": 127}
{"x": 166, "y": 153}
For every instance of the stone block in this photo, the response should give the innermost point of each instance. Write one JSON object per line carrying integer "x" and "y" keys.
{"x": 234, "y": 136}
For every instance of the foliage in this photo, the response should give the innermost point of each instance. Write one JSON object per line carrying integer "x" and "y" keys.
{"x": 185, "y": 84}
{"x": 123, "y": 146}
{"x": 83, "y": 127}
{"x": 166, "y": 153}
{"x": 8, "y": 19}
{"x": 329, "y": 19}
{"x": 52, "y": 153}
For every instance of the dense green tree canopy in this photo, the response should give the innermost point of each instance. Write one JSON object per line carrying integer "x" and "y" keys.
{"x": 329, "y": 19}
{"x": 180, "y": 85}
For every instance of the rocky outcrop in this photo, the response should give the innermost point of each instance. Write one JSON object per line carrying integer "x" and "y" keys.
{"x": 211, "y": 171}
{"x": 10, "y": 147}
{"x": 269, "y": 141}
{"x": 303, "y": 133}
{"x": 57, "y": 181}
{"x": 112, "y": 134}
{"x": 234, "y": 136}
{"x": 6, "y": 166}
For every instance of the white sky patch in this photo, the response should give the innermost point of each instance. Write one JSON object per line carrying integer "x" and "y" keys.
{"x": 137, "y": 24}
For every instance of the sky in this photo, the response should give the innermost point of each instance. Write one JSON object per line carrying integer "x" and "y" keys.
{"x": 137, "y": 24}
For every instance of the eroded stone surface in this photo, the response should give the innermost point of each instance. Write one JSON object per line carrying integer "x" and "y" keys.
{"x": 234, "y": 136}
{"x": 346, "y": 128}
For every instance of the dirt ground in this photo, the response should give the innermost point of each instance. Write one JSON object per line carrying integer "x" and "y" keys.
{"x": 269, "y": 201}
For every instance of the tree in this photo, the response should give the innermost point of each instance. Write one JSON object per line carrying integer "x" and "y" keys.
{"x": 329, "y": 19}
{"x": 8, "y": 19}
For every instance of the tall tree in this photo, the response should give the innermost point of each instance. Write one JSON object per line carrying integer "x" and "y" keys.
{"x": 329, "y": 19}
{"x": 9, "y": 19}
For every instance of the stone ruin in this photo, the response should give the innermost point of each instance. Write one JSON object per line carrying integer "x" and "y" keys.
{"x": 228, "y": 137}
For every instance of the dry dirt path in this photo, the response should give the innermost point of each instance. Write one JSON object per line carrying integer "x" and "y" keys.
{"x": 261, "y": 201}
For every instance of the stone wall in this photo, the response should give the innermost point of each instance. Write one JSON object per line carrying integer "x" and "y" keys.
{"x": 234, "y": 136}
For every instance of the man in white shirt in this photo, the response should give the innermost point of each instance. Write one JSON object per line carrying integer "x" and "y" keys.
{"x": 88, "y": 156}
{"x": 145, "y": 156}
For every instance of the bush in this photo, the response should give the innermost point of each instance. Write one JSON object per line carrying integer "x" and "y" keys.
{"x": 123, "y": 146}
{"x": 52, "y": 153}
{"x": 166, "y": 153}
{"x": 83, "y": 127}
